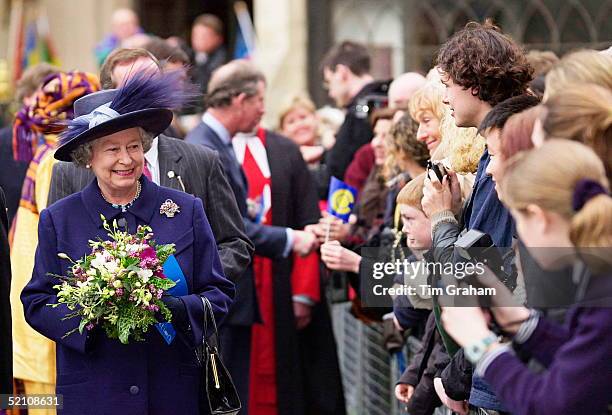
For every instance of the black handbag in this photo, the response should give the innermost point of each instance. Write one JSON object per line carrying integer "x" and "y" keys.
{"x": 218, "y": 396}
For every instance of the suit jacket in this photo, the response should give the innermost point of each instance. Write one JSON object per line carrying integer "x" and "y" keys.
{"x": 139, "y": 377}
{"x": 6, "y": 341}
{"x": 201, "y": 72}
{"x": 202, "y": 175}
{"x": 269, "y": 241}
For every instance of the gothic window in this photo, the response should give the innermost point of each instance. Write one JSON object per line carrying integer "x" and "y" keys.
{"x": 414, "y": 29}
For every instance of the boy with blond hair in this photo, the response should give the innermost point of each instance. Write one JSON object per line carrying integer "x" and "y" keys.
{"x": 415, "y": 387}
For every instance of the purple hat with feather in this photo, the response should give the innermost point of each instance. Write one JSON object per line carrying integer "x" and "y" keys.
{"x": 145, "y": 100}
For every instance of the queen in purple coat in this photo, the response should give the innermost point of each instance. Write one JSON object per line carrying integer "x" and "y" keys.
{"x": 95, "y": 374}
{"x": 560, "y": 198}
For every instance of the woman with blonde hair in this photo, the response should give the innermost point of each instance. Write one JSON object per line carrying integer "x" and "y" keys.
{"x": 298, "y": 121}
{"x": 459, "y": 149}
{"x": 437, "y": 130}
{"x": 582, "y": 113}
{"x": 583, "y": 66}
{"x": 559, "y": 197}
{"x": 426, "y": 108}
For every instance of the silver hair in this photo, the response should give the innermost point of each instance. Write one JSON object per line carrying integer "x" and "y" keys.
{"x": 232, "y": 79}
{"x": 83, "y": 154}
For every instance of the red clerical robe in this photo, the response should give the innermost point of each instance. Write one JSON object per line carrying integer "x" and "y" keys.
{"x": 263, "y": 396}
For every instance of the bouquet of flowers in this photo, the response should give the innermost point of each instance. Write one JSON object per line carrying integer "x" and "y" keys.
{"x": 119, "y": 285}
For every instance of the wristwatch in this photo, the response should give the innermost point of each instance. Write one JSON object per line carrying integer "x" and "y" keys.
{"x": 475, "y": 351}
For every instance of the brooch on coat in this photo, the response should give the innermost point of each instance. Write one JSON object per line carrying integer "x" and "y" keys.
{"x": 169, "y": 208}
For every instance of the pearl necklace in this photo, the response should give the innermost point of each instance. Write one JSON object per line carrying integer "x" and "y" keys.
{"x": 128, "y": 205}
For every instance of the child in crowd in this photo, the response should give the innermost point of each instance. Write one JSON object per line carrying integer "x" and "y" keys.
{"x": 415, "y": 387}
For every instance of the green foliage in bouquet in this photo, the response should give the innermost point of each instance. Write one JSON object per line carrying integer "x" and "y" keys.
{"x": 119, "y": 286}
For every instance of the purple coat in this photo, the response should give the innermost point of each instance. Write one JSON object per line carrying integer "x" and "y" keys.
{"x": 97, "y": 375}
{"x": 577, "y": 357}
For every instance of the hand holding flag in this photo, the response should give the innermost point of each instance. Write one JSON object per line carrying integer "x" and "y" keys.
{"x": 340, "y": 201}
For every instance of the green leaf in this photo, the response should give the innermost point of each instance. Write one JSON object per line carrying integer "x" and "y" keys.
{"x": 82, "y": 325}
{"x": 124, "y": 326}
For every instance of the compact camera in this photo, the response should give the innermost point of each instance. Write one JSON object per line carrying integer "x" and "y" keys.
{"x": 437, "y": 168}
{"x": 479, "y": 247}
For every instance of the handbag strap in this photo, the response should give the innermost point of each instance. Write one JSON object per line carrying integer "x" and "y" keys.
{"x": 211, "y": 341}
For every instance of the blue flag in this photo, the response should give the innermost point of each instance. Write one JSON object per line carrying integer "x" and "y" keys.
{"x": 341, "y": 199}
{"x": 173, "y": 271}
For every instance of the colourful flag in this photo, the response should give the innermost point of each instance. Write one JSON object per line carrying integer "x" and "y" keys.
{"x": 341, "y": 199}
{"x": 30, "y": 38}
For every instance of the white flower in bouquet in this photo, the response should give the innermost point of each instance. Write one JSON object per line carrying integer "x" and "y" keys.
{"x": 144, "y": 275}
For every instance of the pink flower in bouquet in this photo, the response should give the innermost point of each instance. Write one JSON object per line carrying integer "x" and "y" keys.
{"x": 148, "y": 252}
{"x": 159, "y": 273}
{"x": 152, "y": 307}
{"x": 149, "y": 263}
{"x": 79, "y": 273}
{"x": 148, "y": 258}
{"x": 156, "y": 292}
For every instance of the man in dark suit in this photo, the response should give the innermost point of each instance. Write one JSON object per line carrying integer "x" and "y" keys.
{"x": 175, "y": 164}
{"x": 235, "y": 104}
{"x": 6, "y": 339}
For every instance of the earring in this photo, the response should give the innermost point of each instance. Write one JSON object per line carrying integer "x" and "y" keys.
{"x": 88, "y": 166}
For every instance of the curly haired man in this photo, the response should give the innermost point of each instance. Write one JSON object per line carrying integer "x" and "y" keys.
{"x": 480, "y": 67}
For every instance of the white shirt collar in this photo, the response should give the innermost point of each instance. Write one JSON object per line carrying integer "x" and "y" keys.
{"x": 153, "y": 154}
{"x": 201, "y": 57}
{"x": 217, "y": 127}
{"x": 152, "y": 161}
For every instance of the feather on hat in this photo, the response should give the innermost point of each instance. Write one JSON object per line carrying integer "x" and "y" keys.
{"x": 145, "y": 100}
